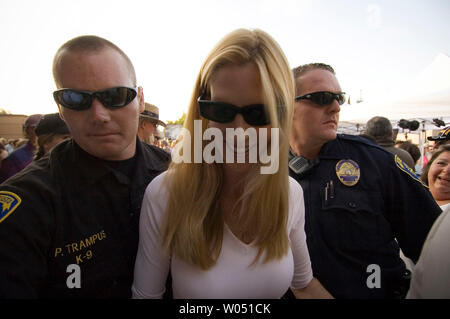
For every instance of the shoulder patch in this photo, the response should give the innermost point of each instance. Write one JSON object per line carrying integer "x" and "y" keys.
{"x": 405, "y": 168}
{"x": 9, "y": 202}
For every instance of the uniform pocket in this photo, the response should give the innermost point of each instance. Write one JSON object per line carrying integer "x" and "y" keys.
{"x": 353, "y": 220}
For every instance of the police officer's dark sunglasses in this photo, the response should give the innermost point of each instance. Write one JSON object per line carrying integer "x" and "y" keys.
{"x": 78, "y": 100}
{"x": 222, "y": 112}
{"x": 323, "y": 98}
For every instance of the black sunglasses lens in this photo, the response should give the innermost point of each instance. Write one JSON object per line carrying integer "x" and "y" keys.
{"x": 73, "y": 99}
{"x": 322, "y": 98}
{"x": 79, "y": 100}
{"x": 225, "y": 113}
{"x": 255, "y": 115}
{"x": 326, "y": 98}
{"x": 116, "y": 97}
{"x": 341, "y": 98}
{"x": 217, "y": 112}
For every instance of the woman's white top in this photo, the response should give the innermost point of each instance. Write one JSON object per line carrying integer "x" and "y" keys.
{"x": 232, "y": 276}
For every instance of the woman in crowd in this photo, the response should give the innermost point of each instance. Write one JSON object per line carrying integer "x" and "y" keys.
{"x": 224, "y": 230}
{"x": 431, "y": 276}
{"x": 437, "y": 176}
{"x": 414, "y": 151}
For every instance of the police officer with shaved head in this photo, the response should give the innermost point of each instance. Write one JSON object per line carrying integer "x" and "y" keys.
{"x": 361, "y": 201}
{"x": 69, "y": 221}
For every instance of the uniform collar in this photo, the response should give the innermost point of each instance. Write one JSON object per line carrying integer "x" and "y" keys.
{"x": 333, "y": 149}
{"x": 91, "y": 169}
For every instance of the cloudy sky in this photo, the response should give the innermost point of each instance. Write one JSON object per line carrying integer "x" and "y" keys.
{"x": 374, "y": 46}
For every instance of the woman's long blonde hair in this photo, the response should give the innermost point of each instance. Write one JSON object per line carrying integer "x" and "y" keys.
{"x": 193, "y": 229}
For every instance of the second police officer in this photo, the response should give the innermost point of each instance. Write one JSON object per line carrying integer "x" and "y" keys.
{"x": 362, "y": 202}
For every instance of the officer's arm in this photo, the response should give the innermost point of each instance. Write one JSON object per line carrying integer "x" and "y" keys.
{"x": 24, "y": 241}
{"x": 411, "y": 209}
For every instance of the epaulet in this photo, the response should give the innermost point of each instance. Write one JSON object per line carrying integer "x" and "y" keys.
{"x": 362, "y": 141}
{"x": 356, "y": 139}
{"x": 406, "y": 169}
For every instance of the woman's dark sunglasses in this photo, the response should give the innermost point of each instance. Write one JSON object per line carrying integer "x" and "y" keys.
{"x": 78, "y": 100}
{"x": 222, "y": 112}
{"x": 323, "y": 98}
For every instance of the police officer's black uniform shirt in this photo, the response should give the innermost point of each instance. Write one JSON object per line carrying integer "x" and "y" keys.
{"x": 349, "y": 228}
{"x": 71, "y": 208}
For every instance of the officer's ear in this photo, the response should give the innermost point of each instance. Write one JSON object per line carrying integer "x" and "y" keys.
{"x": 61, "y": 113}
{"x": 141, "y": 100}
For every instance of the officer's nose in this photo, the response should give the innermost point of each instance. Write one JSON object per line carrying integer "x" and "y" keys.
{"x": 334, "y": 107}
{"x": 99, "y": 112}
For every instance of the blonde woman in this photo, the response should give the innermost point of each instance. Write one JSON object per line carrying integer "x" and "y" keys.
{"x": 223, "y": 228}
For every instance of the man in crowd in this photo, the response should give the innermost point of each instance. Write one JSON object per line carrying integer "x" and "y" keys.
{"x": 69, "y": 222}
{"x": 442, "y": 138}
{"x": 50, "y": 131}
{"x": 22, "y": 156}
{"x": 359, "y": 198}
{"x": 148, "y": 121}
{"x": 380, "y": 128}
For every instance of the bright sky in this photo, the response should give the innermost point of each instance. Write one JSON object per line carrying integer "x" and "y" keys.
{"x": 372, "y": 45}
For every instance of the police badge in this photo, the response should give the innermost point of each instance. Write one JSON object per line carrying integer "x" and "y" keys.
{"x": 348, "y": 172}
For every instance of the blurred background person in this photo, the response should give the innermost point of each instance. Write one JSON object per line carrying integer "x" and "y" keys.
{"x": 414, "y": 151}
{"x": 165, "y": 145}
{"x": 8, "y": 147}
{"x": 3, "y": 153}
{"x": 20, "y": 142}
{"x": 13, "y": 143}
{"x": 380, "y": 128}
{"x": 442, "y": 138}
{"x": 431, "y": 276}
{"x": 50, "y": 131}
{"x": 368, "y": 137}
{"x": 23, "y": 155}
{"x": 148, "y": 122}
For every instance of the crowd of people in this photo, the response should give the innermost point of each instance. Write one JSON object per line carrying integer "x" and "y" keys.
{"x": 91, "y": 208}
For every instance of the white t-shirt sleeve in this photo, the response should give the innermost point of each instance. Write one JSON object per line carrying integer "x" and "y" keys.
{"x": 431, "y": 276}
{"x": 302, "y": 264}
{"x": 152, "y": 264}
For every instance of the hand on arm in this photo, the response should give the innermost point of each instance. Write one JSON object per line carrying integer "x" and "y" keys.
{"x": 314, "y": 290}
